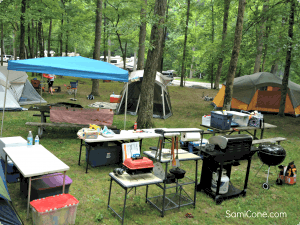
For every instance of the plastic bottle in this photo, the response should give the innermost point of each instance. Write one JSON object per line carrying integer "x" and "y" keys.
{"x": 224, "y": 185}
{"x": 29, "y": 138}
{"x": 36, "y": 140}
{"x": 113, "y": 93}
{"x": 135, "y": 125}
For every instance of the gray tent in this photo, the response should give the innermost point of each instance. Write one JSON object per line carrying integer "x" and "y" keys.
{"x": 161, "y": 102}
{"x": 261, "y": 91}
{"x": 19, "y": 86}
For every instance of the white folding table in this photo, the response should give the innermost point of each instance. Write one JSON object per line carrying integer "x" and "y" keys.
{"x": 34, "y": 160}
{"x": 125, "y": 135}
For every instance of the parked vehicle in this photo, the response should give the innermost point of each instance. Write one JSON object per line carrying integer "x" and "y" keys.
{"x": 6, "y": 58}
{"x": 168, "y": 74}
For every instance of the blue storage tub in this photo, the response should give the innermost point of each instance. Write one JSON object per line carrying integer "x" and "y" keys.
{"x": 13, "y": 175}
{"x": 101, "y": 155}
{"x": 195, "y": 145}
{"x": 220, "y": 121}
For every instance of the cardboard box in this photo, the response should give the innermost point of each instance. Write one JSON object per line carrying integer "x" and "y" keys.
{"x": 115, "y": 98}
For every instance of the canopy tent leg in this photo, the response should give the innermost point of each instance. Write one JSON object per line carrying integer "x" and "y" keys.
{"x": 126, "y": 106}
{"x": 4, "y": 102}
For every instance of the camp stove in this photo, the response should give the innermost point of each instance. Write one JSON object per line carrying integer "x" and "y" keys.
{"x": 138, "y": 165}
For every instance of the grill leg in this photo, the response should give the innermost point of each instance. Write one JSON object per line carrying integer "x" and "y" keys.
{"x": 259, "y": 169}
{"x": 268, "y": 174}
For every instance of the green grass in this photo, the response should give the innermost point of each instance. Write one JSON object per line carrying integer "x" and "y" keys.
{"x": 188, "y": 108}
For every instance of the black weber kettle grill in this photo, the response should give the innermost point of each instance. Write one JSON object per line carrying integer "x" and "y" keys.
{"x": 271, "y": 155}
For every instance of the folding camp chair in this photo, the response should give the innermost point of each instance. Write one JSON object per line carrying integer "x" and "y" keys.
{"x": 72, "y": 89}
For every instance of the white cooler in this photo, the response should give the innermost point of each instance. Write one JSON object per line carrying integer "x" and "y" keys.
{"x": 10, "y": 142}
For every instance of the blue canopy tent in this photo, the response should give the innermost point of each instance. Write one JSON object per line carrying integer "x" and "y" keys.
{"x": 8, "y": 215}
{"x": 70, "y": 66}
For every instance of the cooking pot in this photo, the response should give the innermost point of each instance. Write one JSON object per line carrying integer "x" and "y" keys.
{"x": 170, "y": 178}
{"x": 271, "y": 154}
{"x": 179, "y": 173}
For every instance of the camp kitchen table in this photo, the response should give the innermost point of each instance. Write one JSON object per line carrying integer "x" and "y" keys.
{"x": 170, "y": 201}
{"x": 127, "y": 181}
{"x": 240, "y": 129}
{"x": 125, "y": 135}
{"x": 34, "y": 160}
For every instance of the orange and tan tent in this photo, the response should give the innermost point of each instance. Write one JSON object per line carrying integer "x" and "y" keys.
{"x": 261, "y": 92}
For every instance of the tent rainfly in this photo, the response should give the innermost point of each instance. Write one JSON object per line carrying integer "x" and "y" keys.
{"x": 261, "y": 92}
{"x": 161, "y": 102}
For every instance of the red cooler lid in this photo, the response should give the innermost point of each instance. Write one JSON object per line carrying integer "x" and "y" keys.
{"x": 53, "y": 202}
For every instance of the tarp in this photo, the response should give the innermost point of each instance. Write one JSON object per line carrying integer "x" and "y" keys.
{"x": 76, "y": 66}
{"x": 261, "y": 91}
{"x": 8, "y": 214}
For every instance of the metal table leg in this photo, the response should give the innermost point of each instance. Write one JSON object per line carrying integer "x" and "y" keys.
{"x": 164, "y": 192}
{"x": 195, "y": 190}
{"x": 88, "y": 158}
{"x": 124, "y": 206}
{"x": 109, "y": 192}
{"x": 80, "y": 152}
{"x": 64, "y": 182}
{"x": 146, "y": 193}
{"x": 28, "y": 200}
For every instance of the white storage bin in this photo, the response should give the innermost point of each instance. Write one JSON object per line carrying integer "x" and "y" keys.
{"x": 241, "y": 118}
{"x": 10, "y": 142}
{"x": 206, "y": 120}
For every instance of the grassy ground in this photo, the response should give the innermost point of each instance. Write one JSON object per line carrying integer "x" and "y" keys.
{"x": 188, "y": 108}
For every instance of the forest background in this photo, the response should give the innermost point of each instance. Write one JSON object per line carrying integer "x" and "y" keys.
{"x": 64, "y": 26}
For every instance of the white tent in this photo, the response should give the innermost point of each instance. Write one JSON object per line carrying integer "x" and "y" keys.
{"x": 21, "y": 89}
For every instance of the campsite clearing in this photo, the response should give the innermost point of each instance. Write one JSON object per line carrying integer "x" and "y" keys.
{"x": 188, "y": 108}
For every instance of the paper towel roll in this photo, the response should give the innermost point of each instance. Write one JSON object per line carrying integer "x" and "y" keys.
{"x": 190, "y": 136}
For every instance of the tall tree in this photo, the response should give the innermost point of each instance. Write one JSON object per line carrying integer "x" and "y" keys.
{"x": 95, "y": 85}
{"x": 185, "y": 40}
{"x": 224, "y": 34}
{"x": 145, "y": 113}
{"x": 285, "y": 79}
{"x": 49, "y": 38}
{"x": 22, "y": 30}
{"x": 142, "y": 38}
{"x": 234, "y": 55}
{"x": 261, "y": 33}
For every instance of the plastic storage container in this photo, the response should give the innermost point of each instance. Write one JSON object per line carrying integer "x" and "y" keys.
{"x": 115, "y": 98}
{"x": 58, "y": 209}
{"x": 86, "y": 133}
{"x": 106, "y": 154}
{"x": 46, "y": 187}
{"x": 240, "y": 118}
{"x": 206, "y": 120}
{"x": 220, "y": 121}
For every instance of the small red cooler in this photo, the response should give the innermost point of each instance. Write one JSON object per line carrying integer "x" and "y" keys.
{"x": 115, "y": 98}
{"x": 58, "y": 209}
{"x": 138, "y": 165}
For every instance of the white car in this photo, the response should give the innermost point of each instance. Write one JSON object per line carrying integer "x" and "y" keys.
{"x": 6, "y": 58}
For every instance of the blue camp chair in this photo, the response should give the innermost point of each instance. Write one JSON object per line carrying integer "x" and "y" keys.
{"x": 8, "y": 214}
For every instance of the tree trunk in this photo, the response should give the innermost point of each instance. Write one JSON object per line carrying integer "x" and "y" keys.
{"x": 97, "y": 52}
{"x": 184, "y": 44}
{"x": 2, "y": 38}
{"x": 32, "y": 39}
{"x": 40, "y": 38}
{"x": 212, "y": 41}
{"x": 224, "y": 34}
{"x": 105, "y": 35}
{"x": 61, "y": 36}
{"x": 234, "y": 56}
{"x": 22, "y": 30}
{"x": 285, "y": 79}
{"x": 261, "y": 34}
{"x": 142, "y": 38}
{"x": 268, "y": 30}
{"x": 29, "y": 32}
{"x": 49, "y": 38}
{"x": 145, "y": 112}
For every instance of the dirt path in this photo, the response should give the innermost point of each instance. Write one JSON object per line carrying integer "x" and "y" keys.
{"x": 193, "y": 84}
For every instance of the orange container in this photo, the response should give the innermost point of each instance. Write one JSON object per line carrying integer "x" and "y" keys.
{"x": 115, "y": 98}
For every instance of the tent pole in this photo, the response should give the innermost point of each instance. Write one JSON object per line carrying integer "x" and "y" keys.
{"x": 125, "y": 112}
{"x": 4, "y": 102}
{"x": 138, "y": 104}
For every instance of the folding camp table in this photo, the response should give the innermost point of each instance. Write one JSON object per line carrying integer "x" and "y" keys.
{"x": 34, "y": 160}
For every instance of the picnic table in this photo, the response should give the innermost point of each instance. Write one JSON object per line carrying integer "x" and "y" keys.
{"x": 44, "y": 112}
